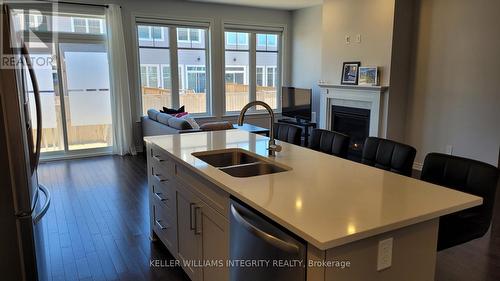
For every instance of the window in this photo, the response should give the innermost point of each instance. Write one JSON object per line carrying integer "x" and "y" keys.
{"x": 237, "y": 40}
{"x": 143, "y": 32}
{"x": 235, "y": 75}
{"x": 149, "y": 76}
{"x": 237, "y": 60}
{"x": 155, "y": 70}
{"x": 73, "y": 78}
{"x": 87, "y": 25}
{"x": 192, "y": 56}
{"x": 166, "y": 77}
{"x": 181, "y": 77}
{"x": 94, "y": 26}
{"x": 79, "y": 25}
{"x": 194, "y": 35}
{"x": 266, "y": 64}
{"x": 182, "y": 34}
{"x": 261, "y": 40}
{"x": 150, "y": 33}
{"x": 59, "y": 22}
{"x": 271, "y": 76}
{"x": 242, "y": 39}
{"x": 267, "y": 42}
{"x": 230, "y": 38}
{"x": 36, "y": 22}
{"x": 188, "y": 35}
{"x": 196, "y": 78}
{"x": 267, "y": 56}
{"x": 260, "y": 75}
{"x": 184, "y": 83}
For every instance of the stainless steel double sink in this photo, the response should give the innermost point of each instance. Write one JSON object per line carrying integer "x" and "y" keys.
{"x": 239, "y": 163}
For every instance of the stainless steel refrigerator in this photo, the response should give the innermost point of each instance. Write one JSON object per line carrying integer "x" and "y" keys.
{"x": 23, "y": 201}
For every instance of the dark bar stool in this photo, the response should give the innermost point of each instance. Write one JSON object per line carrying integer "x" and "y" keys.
{"x": 389, "y": 155}
{"x": 330, "y": 142}
{"x": 468, "y": 176}
{"x": 287, "y": 133}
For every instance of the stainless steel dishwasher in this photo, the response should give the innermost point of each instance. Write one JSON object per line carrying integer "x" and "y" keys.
{"x": 263, "y": 250}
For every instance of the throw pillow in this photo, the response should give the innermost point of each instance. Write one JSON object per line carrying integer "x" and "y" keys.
{"x": 172, "y": 111}
{"x": 191, "y": 121}
{"x": 216, "y": 126}
{"x": 179, "y": 115}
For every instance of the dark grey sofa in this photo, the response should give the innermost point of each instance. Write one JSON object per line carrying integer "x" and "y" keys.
{"x": 157, "y": 123}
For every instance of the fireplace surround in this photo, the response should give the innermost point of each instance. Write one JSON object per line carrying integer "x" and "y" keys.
{"x": 372, "y": 98}
{"x": 354, "y": 122}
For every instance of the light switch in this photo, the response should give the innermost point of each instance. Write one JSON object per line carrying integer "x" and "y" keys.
{"x": 449, "y": 149}
{"x": 348, "y": 39}
{"x": 384, "y": 259}
{"x": 358, "y": 38}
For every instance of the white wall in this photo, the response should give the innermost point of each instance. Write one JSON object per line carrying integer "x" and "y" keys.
{"x": 455, "y": 98}
{"x": 306, "y": 50}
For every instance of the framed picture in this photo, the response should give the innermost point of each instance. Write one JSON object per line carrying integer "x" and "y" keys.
{"x": 350, "y": 73}
{"x": 368, "y": 75}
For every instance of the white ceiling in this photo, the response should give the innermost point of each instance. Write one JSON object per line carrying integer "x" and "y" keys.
{"x": 275, "y": 4}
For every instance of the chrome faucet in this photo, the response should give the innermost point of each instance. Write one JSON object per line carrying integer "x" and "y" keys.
{"x": 272, "y": 146}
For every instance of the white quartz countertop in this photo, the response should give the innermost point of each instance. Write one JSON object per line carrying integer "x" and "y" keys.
{"x": 326, "y": 200}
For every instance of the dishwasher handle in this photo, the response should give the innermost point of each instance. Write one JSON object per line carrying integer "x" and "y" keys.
{"x": 271, "y": 239}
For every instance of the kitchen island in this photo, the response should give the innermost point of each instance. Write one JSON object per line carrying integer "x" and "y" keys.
{"x": 340, "y": 208}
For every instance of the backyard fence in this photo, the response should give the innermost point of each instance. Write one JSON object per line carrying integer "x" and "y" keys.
{"x": 236, "y": 98}
{"x": 100, "y": 135}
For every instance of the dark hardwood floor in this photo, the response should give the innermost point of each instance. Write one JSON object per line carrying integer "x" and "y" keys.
{"x": 97, "y": 227}
{"x": 477, "y": 260}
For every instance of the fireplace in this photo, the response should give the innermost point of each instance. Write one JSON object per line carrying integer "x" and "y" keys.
{"x": 354, "y": 122}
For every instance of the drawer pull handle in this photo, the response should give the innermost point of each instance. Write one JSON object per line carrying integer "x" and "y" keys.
{"x": 197, "y": 210}
{"x": 157, "y": 158}
{"x": 158, "y": 178}
{"x": 192, "y": 210}
{"x": 158, "y": 195}
{"x": 158, "y": 222}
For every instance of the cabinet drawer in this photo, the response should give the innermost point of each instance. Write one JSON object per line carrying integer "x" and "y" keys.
{"x": 213, "y": 195}
{"x": 163, "y": 193}
{"x": 165, "y": 227}
{"x": 159, "y": 159}
{"x": 160, "y": 174}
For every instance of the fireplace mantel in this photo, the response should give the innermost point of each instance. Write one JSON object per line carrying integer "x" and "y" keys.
{"x": 366, "y": 97}
{"x": 355, "y": 87}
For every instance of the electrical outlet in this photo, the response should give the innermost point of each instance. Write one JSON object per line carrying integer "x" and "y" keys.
{"x": 358, "y": 38}
{"x": 348, "y": 39}
{"x": 449, "y": 149}
{"x": 384, "y": 259}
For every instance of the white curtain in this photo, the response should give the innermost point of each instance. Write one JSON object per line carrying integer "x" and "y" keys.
{"x": 123, "y": 142}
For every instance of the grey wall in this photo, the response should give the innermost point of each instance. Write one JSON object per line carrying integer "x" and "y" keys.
{"x": 373, "y": 20}
{"x": 455, "y": 98}
{"x": 306, "y": 50}
{"x": 402, "y": 46}
{"x": 385, "y": 29}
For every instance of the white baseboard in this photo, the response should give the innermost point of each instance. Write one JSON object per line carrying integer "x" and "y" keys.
{"x": 417, "y": 166}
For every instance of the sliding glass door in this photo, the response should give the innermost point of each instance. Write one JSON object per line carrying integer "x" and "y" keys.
{"x": 73, "y": 77}
{"x": 47, "y": 77}
{"x": 85, "y": 78}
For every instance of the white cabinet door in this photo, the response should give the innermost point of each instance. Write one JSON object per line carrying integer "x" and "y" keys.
{"x": 203, "y": 237}
{"x": 189, "y": 242}
{"x": 214, "y": 229}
